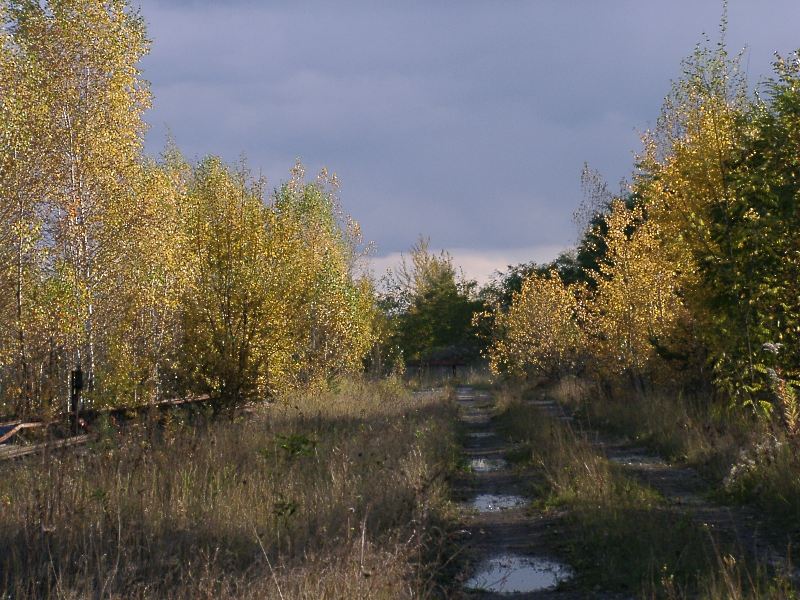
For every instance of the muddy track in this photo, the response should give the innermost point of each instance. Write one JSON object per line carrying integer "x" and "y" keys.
{"x": 739, "y": 527}
{"x": 506, "y": 542}
{"x": 508, "y": 545}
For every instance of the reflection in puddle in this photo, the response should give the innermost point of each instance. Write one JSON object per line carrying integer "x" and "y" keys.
{"x": 484, "y": 465}
{"x": 509, "y": 574}
{"x": 476, "y": 419}
{"x": 636, "y": 459}
{"x": 496, "y": 502}
{"x": 481, "y": 434}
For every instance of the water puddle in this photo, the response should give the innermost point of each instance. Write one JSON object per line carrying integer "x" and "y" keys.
{"x": 508, "y": 574}
{"x": 476, "y": 419}
{"x": 486, "y": 465}
{"x": 496, "y": 502}
{"x": 473, "y": 408}
{"x": 635, "y": 459}
{"x": 479, "y": 435}
{"x": 546, "y": 403}
{"x": 427, "y": 392}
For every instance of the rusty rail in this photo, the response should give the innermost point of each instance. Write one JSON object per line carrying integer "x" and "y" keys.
{"x": 17, "y": 428}
{"x": 10, "y": 452}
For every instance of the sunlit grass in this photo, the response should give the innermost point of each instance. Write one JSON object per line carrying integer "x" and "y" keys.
{"x": 335, "y": 494}
{"x": 746, "y": 459}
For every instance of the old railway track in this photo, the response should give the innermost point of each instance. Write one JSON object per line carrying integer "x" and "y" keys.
{"x": 11, "y": 432}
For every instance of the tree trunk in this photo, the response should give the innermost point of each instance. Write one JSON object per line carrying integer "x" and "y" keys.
{"x": 24, "y": 367}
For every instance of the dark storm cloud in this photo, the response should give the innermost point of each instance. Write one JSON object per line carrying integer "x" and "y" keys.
{"x": 466, "y": 121}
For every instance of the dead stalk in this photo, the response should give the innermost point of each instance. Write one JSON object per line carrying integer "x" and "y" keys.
{"x": 269, "y": 564}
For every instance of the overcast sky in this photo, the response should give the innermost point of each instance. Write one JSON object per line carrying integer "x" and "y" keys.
{"x": 465, "y": 121}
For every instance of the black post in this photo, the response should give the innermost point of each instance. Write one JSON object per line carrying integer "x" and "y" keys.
{"x": 75, "y": 388}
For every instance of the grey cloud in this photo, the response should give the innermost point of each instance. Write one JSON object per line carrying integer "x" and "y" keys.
{"x": 467, "y": 121}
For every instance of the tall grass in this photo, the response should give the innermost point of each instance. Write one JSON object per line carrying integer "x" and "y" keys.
{"x": 692, "y": 431}
{"x": 336, "y": 494}
{"x": 748, "y": 459}
{"x": 620, "y": 534}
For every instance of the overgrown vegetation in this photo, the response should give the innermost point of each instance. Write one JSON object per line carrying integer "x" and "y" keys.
{"x": 619, "y": 534}
{"x": 156, "y": 278}
{"x": 327, "y": 495}
{"x": 677, "y": 319}
{"x": 164, "y": 278}
{"x": 745, "y": 459}
{"x": 680, "y": 304}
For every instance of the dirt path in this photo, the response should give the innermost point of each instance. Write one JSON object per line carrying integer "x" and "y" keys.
{"x": 684, "y": 489}
{"x": 505, "y": 541}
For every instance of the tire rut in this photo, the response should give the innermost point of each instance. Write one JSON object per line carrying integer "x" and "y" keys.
{"x": 510, "y": 540}
{"x": 685, "y": 490}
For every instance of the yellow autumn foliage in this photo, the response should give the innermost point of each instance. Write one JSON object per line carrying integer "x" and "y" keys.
{"x": 636, "y": 303}
{"x": 539, "y": 332}
{"x": 156, "y": 278}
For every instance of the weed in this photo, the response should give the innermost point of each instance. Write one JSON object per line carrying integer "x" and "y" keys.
{"x": 748, "y": 460}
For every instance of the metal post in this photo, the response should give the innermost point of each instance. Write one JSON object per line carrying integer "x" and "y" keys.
{"x": 75, "y": 388}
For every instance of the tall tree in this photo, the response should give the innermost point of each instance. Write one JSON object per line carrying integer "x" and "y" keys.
{"x": 751, "y": 287}
{"x": 685, "y": 177}
{"x": 81, "y": 58}
{"x": 635, "y": 306}
{"x": 432, "y": 307}
{"x": 21, "y": 118}
{"x": 225, "y": 311}
{"x": 330, "y": 306}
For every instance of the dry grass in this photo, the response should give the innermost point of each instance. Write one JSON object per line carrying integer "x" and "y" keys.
{"x": 335, "y": 494}
{"x": 575, "y": 472}
{"x": 619, "y": 534}
{"x": 749, "y": 460}
{"x": 691, "y": 431}
{"x": 731, "y": 581}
